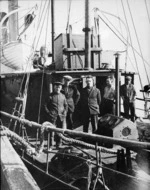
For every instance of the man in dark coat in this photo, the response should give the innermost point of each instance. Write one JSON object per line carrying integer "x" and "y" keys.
{"x": 56, "y": 108}
{"x": 128, "y": 94}
{"x": 72, "y": 96}
{"x": 90, "y": 102}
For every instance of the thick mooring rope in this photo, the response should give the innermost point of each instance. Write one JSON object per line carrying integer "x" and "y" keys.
{"x": 87, "y": 145}
{"x": 6, "y": 132}
{"x": 78, "y": 142}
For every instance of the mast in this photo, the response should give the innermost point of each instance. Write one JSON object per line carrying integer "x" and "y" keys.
{"x": 53, "y": 29}
{"x": 13, "y": 20}
{"x": 87, "y": 37}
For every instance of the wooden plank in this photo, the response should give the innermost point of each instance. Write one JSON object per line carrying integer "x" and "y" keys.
{"x": 15, "y": 175}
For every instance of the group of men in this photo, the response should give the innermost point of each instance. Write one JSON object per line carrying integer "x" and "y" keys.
{"x": 62, "y": 102}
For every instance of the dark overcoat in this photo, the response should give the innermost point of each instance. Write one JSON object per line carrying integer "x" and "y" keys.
{"x": 56, "y": 106}
{"x": 128, "y": 94}
{"x": 72, "y": 97}
{"x": 90, "y": 101}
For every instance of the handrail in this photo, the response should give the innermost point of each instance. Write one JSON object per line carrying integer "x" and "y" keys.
{"x": 134, "y": 145}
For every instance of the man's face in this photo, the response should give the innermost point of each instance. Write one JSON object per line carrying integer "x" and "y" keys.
{"x": 108, "y": 82}
{"x": 36, "y": 57}
{"x": 57, "y": 88}
{"x": 89, "y": 82}
{"x": 43, "y": 53}
{"x": 127, "y": 81}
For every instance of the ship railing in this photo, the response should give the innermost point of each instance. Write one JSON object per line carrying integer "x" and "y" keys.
{"x": 48, "y": 128}
{"x": 134, "y": 145}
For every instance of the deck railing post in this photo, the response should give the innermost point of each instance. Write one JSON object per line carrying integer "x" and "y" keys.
{"x": 117, "y": 86}
{"x": 47, "y": 163}
{"x": 128, "y": 159}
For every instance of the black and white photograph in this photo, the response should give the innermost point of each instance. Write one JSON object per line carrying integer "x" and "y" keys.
{"x": 75, "y": 94}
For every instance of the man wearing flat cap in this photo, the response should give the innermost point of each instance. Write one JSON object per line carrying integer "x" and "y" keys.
{"x": 72, "y": 96}
{"x": 90, "y": 103}
{"x": 128, "y": 94}
{"x": 56, "y": 108}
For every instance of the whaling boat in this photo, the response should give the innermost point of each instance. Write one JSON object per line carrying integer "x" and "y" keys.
{"x": 15, "y": 51}
{"x": 116, "y": 157}
{"x": 13, "y": 60}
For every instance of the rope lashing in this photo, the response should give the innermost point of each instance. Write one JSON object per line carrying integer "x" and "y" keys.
{"x": 87, "y": 145}
{"x": 45, "y": 127}
{"x": 47, "y": 124}
{"x": 6, "y": 132}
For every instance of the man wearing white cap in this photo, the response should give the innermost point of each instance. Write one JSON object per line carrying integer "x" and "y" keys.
{"x": 72, "y": 96}
{"x": 128, "y": 94}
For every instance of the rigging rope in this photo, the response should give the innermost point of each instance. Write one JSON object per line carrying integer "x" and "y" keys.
{"x": 68, "y": 16}
{"x": 138, "y": 41}
{"x": 112, "y": 30}
{"x": 127, "y": 43}
{"x": 78, "y": 20}
{"x": 131, "y": 62}
{"x": 28, "y": 24}
{"x": 38, "y": 25}
{"x": 40, "y": 11}
{"x": 147, "y": 11}
{"x": 42, "y": 82}
{"x": 132, "y": 45}
{"x": 25, "y": 15}
{"x": 28, "y": 74}
{"x": 123, "y": 37}
{"x": 120, "y": 33}
{"x": 41, "y": 91}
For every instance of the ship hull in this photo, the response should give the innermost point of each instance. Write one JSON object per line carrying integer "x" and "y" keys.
{"x": 112, "y": 178}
